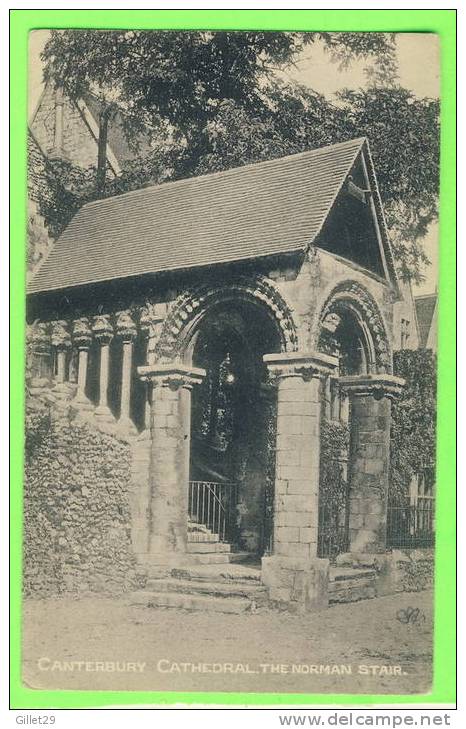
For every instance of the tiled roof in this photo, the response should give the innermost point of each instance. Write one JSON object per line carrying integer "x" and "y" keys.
{"x": 263, "y": 209}
{"x": 425, "y": 307}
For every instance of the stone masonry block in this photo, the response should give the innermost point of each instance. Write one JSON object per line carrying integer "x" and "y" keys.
{"x": 281, "y": 487}
{"x": 295, "y": 518}
{"x": 289, "y": 424}
{"x": 291, "y": 383}
{"x": 310, "y": 425}
{"x": 298, "y": 473}
{"x": 287, "y": 534}
{"x": 289, "y": 396}
{"x": 299, "y": 407}
{"x": 309, "y": 458}
{"x": 296, "y": 503}
{"x": 308, "y": 535}
{"x": 303, "y": 486}
{"x": 288, "y": 458}
{"x": 295, "y": 442}
{"x": 293, "y": 549}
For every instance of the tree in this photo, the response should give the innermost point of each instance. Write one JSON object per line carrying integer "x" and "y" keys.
{"x": 214, "y": 101}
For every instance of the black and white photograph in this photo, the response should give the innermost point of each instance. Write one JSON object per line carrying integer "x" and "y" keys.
{"x": 231, "y": 361}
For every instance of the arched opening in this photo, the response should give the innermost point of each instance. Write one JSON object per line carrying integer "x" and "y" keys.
{"x": 232, "y": 422}
{"x": 345, "y": 335}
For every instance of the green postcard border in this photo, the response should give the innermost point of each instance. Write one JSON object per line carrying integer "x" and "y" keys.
{"x": 442, "y": 22}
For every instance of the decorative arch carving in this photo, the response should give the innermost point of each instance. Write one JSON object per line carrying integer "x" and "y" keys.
{"x": 352, "y": 296}
{"x": 194, "y": 303}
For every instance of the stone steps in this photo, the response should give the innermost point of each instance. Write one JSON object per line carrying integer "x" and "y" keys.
{"x": 195, "y": 537}
{"x": 191, "y": 601}
{"x": 350, "y": 585}
{"x": 229, "y": 588}
{"x": 210, "y": 558}
{"x": 208, "y": 547}
{"x": 235, "y": 588}
{"x": 219, "y": 573}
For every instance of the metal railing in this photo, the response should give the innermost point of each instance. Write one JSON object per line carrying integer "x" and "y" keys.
{"x": 214, "y": 505}
{"x": 333, "y": 532}
{"x": 411, "y": 525}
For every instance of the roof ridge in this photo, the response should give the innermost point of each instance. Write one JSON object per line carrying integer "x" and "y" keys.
{"x": 231, "y": 171}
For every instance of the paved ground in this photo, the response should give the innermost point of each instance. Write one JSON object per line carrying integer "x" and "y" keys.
{"x": 330, "y": 651}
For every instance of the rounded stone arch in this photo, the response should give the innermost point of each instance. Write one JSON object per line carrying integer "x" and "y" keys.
{"x": 193, "y": 304}
{"x": 350, "y": 298}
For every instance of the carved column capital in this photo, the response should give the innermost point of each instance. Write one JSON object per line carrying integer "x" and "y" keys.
{"x": 299, "y": 364}
{"x": 61, "y": 338}
{"x": 125, "y": 326}
{"x": 378, "y": 386}
{"x": 171, "y": 375}
{"x": 102, "y": 329}
{"x": 82, "y": 333}
{"x": 40, "y": 337}
{"x": 151, "y": 318}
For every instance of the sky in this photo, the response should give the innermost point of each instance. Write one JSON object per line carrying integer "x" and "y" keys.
{"x": 418, "y": 69}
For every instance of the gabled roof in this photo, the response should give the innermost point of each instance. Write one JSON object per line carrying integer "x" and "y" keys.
{"x": 258, "y": 210}
{"x": 425, "y": 309}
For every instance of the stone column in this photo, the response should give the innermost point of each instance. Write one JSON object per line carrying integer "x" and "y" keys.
{"x": 293, "y": 573}
{"x": 82, "y": 338}
{"x": 103, "y": 332}
{"x": 151, "y": 321}
{"x": 369, "y": 460}
{"x": 126, "y": 330}
{"x": 169, "y": 462}
{"x": 61, "y": 340}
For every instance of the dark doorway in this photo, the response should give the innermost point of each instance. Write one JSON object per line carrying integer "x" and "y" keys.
{"x": 230, "y": 468}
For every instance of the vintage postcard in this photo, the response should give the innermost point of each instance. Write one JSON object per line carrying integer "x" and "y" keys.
{"x": 230, "y": 428}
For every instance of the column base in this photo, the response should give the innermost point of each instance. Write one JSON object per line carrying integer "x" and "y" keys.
{"x": 161, "y": 565}
{"x": 127, "y": 426}
{"x": 104, "y": 414}
{"x": 381, "y": 562}
{"x": 301, "y": 586}
{"x": 81, "y": 402}
{"x": 64, "y": 390}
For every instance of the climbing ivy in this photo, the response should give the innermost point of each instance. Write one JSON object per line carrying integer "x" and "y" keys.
{"x": 413, "y": 430}
{"x": 334, "y": 443}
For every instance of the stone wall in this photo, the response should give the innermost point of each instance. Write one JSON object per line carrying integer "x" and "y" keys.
{"x": 76, "y": 501}
{"x": 308, "y": 289}
{"x": 79, "y": 145}
{"x": 413, "y": 569}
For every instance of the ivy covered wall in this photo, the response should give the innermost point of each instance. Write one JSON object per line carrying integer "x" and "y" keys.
{"x": 76, "y": 503}
{"x": 413, "y": 431}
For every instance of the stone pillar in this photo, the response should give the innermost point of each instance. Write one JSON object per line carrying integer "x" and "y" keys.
{"x": 61, "y": 340}
{"x": 169, "y": 462}
{"x": 293, "y": 573}
{"x": 103, "y": 332}
{"x": 82, "y": 338}
{"x": 369, "y": 459}
{"x": 126, "y": 330}
{"x": 151, "y": 321}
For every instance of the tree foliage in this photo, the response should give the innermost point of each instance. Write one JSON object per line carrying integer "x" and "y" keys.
{"x": 214, "y": 101}
{"x": 413, "y": 430}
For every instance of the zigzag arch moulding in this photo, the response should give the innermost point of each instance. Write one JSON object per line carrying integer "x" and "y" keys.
{"x": 352, "y": 296}
{"x": 191, "y": 306}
